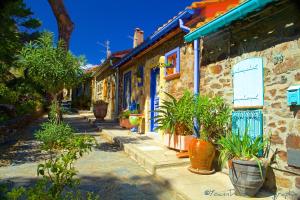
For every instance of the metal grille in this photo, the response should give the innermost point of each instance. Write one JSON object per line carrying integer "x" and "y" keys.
{"x": 250, "y": 120}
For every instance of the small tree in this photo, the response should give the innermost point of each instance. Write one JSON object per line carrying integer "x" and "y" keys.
{"x": 50, "y": 66}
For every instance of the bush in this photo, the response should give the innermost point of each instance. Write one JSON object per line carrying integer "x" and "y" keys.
{"x": 213, "y": 115}
{"x": 125, "y": 114}
{"x": 27, "y": 107}
{"x": 176, "y": 114}
{"x": 58, "y": 173}
{"x": 54, "y": 136}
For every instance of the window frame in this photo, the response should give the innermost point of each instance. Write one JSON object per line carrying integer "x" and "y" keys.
{"x": 177, "y": 67}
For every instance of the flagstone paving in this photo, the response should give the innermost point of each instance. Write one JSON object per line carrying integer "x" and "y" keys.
{"x": 161, "y": 161}
{"x": 107, "y": 170}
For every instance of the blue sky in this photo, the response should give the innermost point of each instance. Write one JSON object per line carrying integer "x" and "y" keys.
{"x": 100, "y": 20}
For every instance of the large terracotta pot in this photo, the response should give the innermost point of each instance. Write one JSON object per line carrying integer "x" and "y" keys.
{"x": 178, "y": 142}
{"x": 202, "y": 154}
{"x": 100, "y": 111}
{"x": 246, "y": 177}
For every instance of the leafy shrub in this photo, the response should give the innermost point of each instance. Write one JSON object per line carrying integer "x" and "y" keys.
{"x": 213, "y": 115}
{"x": 58, "y": 173}
{"x": 54, "y": 136}
{"x": 176, "y": 114}
{"x": 125, "y": 114}
{"x": 7, "y": 95}
{"x": 27, "y": 107}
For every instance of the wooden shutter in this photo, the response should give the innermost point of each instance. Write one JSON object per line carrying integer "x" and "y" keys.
{"x": 248, "y": 83}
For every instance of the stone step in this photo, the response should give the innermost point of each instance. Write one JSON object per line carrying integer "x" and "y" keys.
{"x": 150, "y": 154}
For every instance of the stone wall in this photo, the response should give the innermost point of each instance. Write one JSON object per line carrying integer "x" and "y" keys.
{"x": 274, "y": 35}
{"x": 9, "y": 130}
{"x": 150, "y": 60}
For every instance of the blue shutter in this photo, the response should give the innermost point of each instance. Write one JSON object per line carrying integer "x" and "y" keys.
{"x": 248, "y": 119}
{"x": 248, "y": 83}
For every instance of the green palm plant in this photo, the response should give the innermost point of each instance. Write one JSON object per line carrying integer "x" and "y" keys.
{"x": 176, "y": 114}
{"x": 242, "y": 147}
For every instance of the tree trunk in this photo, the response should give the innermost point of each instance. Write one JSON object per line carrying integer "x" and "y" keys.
{"x": 57, "y": 116}
{"x": 65, "y": 25}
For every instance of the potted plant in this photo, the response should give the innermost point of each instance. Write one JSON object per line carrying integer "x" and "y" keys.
{"x": 247, "y": 170}
{"x": 124, "y": 119}
{"x": 135, "y": 119}
{"x": 100, "y": 109}
{"x": 175, "y": 118}
{"x": 213, "y": 117}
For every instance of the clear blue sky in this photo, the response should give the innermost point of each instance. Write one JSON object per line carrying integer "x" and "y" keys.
{"x": 100, "y": 20}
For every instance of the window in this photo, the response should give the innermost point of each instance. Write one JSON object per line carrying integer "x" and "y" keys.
{"x": 248, "y": 83}
{"x": 140, "y": 76}
{"x": 173, "y": 63}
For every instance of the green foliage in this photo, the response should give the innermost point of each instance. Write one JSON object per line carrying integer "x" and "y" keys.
{"x": 17, "y": 27}
{"x": 243, "y": 147}
{"x": 60, "y": 170}
{"x": 26, "y": 107}
{"x": 4, "y": 117}
{"x": 174, "y": 113}
{"x": 58, "y": 173}
{"x": 125, "y": 114}
{"x": 54, "y": 136}
{"x": 134, "y": 112}
{"x": 49, "y": 65}
{"x": 7, "y": 95}
{"x": 40, "y": 191}
{"x": 213, "y": 115}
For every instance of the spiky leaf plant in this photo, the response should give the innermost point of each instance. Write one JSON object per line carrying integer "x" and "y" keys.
{"x": 176, "y": 114}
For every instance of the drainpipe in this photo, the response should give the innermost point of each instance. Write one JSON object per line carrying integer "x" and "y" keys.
{"x": 117, "y": 93}
{"x": 196, "y": 81}
{"x": 183, "y": 27}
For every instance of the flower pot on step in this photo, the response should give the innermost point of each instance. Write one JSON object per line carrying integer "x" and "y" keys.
{"x": 246, "y": 177}
{"x": 135, "y": 119}
{"x": 178, "y": 142}
{"x": 100, "y": 110}
{"x": 202, "y": 154}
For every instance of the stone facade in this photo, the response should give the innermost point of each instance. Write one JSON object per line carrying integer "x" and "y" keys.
{"x": 183, "y": 81}
{"x": 104, "y": 88}
{"x": 273, "y": 35}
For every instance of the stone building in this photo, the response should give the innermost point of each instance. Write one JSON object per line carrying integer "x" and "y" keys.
{"x": 250, "y": 55}
{"x": 144, "y": 81}
{"x": 104, "y": 84}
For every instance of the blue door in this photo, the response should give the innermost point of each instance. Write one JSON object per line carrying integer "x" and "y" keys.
{"x": 154, "y": 97}
{"x": 127, "y": 90}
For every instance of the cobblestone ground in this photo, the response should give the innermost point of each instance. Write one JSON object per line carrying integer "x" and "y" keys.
{"x": 107, "y": 171}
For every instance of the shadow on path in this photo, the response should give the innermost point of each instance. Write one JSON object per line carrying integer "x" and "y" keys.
{"x": 23, "y": 148}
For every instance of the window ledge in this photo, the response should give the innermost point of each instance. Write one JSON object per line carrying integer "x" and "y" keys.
{"x": 172, "y": 76}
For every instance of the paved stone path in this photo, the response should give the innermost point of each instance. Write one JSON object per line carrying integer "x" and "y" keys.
{"x": 23, "y": 148}
{"x": 107, "y": 170}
